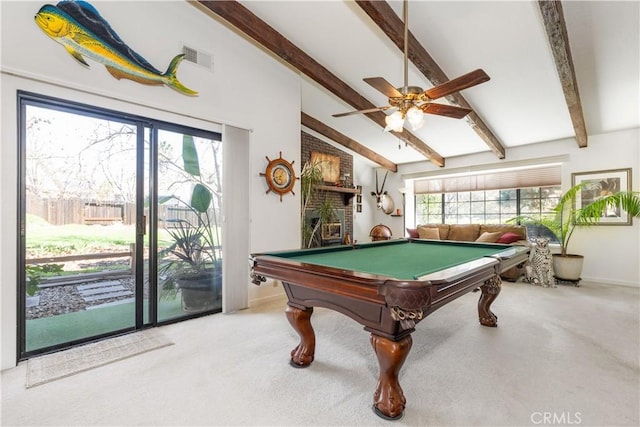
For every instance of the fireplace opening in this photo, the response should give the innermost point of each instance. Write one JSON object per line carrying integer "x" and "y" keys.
{"x": 327, "y": 234}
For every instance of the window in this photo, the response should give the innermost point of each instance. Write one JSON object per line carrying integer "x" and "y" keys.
{"x": 485, "y": 206}
{"x": 429, "y": 209}
{"x": 488, "y": 196}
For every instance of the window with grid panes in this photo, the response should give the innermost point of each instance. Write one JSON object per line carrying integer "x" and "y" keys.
{"x": 486, "y": 206}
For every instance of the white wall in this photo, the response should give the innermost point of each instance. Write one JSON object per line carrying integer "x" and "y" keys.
{"x": 364, "y": 174}
{"x": 248, "y": 89}
{"x": 612, "y": 253}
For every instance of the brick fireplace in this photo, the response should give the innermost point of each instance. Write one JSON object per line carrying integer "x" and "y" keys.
{"x": 344, "y": 210}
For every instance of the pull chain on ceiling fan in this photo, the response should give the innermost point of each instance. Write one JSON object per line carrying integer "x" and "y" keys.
{"x": 411, "y": 102}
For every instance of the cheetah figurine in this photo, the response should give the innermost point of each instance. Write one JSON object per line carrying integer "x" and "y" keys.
{"x": 539, "y": 271}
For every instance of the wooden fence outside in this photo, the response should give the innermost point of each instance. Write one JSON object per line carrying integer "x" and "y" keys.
{"x": 79, "y": 211}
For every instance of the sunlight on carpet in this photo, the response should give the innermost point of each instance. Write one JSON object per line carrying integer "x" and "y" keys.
{"x": 54, "y": 366}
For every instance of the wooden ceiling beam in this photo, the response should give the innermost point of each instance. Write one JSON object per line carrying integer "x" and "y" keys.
{"x": 317, "y": 126}
{"x": 252, "y": 26}
{"x": 556, "y": 29}
{"x": 391, "y": 24}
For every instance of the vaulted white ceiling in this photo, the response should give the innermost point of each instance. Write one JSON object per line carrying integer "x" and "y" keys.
{"x": 523, "y": 103}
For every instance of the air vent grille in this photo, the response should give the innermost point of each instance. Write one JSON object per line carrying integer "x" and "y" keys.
{"x": 190, "y": 54}
{"x": 198, "y": 57}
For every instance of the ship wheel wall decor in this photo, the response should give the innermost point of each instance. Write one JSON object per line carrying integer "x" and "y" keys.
{"x": 280, "y": 176}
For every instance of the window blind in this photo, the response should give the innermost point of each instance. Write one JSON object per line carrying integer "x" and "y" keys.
{"x": 494, "y": 180}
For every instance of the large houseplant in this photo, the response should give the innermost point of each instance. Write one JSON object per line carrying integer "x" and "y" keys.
{"x": 192, "y": 263}
{"x": 310, "y": 178}
{"x": 566, "y": 216}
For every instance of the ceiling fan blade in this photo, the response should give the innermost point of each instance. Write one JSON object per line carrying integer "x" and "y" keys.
{"x": 383, "y": 86}
{"x": 446, "y": 110}
{"x": 465, "y": 81}
{"x": 369, "y": 110}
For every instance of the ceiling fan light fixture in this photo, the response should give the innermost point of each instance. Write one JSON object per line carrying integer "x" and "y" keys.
{"x": 412, "y": 101}
{"x": 394, "y": 122}
{"x": 416, "y": 117}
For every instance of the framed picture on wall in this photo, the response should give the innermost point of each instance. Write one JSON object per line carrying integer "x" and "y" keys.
{"x": 602, "y": 183}
{"x": 329, "y": 166}
{"x": 358, "y": 208}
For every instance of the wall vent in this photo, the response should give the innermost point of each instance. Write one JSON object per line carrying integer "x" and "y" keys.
{"x": 198, "y": 57}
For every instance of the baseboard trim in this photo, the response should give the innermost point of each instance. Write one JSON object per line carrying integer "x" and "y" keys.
{"x": 264, "y": 300}
{"x": 611, "y": 282}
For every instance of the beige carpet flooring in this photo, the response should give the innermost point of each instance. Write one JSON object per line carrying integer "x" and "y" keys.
{"x": 560, "y": 356}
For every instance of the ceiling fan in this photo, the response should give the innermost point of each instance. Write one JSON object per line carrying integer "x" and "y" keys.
{"x": 412, "y": 102}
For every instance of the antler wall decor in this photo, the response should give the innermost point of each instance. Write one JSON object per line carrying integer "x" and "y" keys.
{"x": 383, "y": 200}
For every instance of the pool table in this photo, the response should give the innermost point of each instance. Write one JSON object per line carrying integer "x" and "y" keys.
{"x": 388, "y": 287}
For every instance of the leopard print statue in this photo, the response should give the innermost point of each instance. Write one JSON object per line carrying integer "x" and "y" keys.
{"x": 539, "y": 271}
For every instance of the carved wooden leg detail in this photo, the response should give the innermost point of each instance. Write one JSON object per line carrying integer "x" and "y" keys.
{"x": 490, "y": 290}
{"x": 302, "y": 355}
{"x": 388, "y": 400}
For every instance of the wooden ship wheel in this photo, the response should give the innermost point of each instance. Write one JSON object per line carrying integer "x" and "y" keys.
{"x": 280, "y": 176}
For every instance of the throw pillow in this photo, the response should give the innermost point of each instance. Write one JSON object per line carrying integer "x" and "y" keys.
{"x": 429, "y": 233}
{"x": 464, "y": 232}
{"x": 508, "y": 238}
{"x": 413, "y": 233}
{"x": 487, "y": 237}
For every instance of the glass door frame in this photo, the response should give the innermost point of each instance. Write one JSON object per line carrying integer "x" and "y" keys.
{"x": 145, "y": 127}
{"x": 154, "y": 216}
{"x": 26, "y": 99}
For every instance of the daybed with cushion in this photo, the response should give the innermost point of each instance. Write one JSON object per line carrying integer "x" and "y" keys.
{"x": 488, "y": 233}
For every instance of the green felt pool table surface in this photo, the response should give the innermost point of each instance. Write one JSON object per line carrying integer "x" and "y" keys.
{"x": 401, "y": 259}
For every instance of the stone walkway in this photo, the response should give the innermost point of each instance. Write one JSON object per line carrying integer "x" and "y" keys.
{"x": 61, "y": 299}
{"x": 103, "y": 291}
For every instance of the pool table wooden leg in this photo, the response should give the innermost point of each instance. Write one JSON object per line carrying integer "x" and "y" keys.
{"x": 302, "y": 355}
{"x": 389, "y": 400}
{"x": 490, "y": 291}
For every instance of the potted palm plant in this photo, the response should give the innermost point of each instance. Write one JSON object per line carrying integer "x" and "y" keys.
{"x": 566, "y": 217}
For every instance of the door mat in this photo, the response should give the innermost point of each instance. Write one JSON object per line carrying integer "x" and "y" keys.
{"x": 65, "y": 363}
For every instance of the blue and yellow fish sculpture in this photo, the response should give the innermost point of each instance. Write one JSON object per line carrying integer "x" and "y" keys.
{"x": 78, "y": 27}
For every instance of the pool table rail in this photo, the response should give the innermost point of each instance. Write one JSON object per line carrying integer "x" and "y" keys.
{"x": 335, "y": 280}
{"x": 427, "y": 293}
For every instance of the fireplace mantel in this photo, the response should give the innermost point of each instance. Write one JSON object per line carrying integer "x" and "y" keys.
{"x": 348, "y": 192}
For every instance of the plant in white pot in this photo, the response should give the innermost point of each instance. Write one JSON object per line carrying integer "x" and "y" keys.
{"x": 566, "y": 217}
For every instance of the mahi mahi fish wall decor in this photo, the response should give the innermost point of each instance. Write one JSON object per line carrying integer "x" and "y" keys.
{"x": 78, "y": 27}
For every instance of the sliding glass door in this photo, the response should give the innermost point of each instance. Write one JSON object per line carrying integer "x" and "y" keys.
{"x": 80, "y": 238}
{"x": 189, "y": 226}
{"x": 120, "y": 223}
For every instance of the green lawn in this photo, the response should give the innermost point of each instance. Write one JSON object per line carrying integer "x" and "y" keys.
{"x": 46, "y": 240}
{"x": 63, "y": 328}
{"x": 43, "y": 239}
